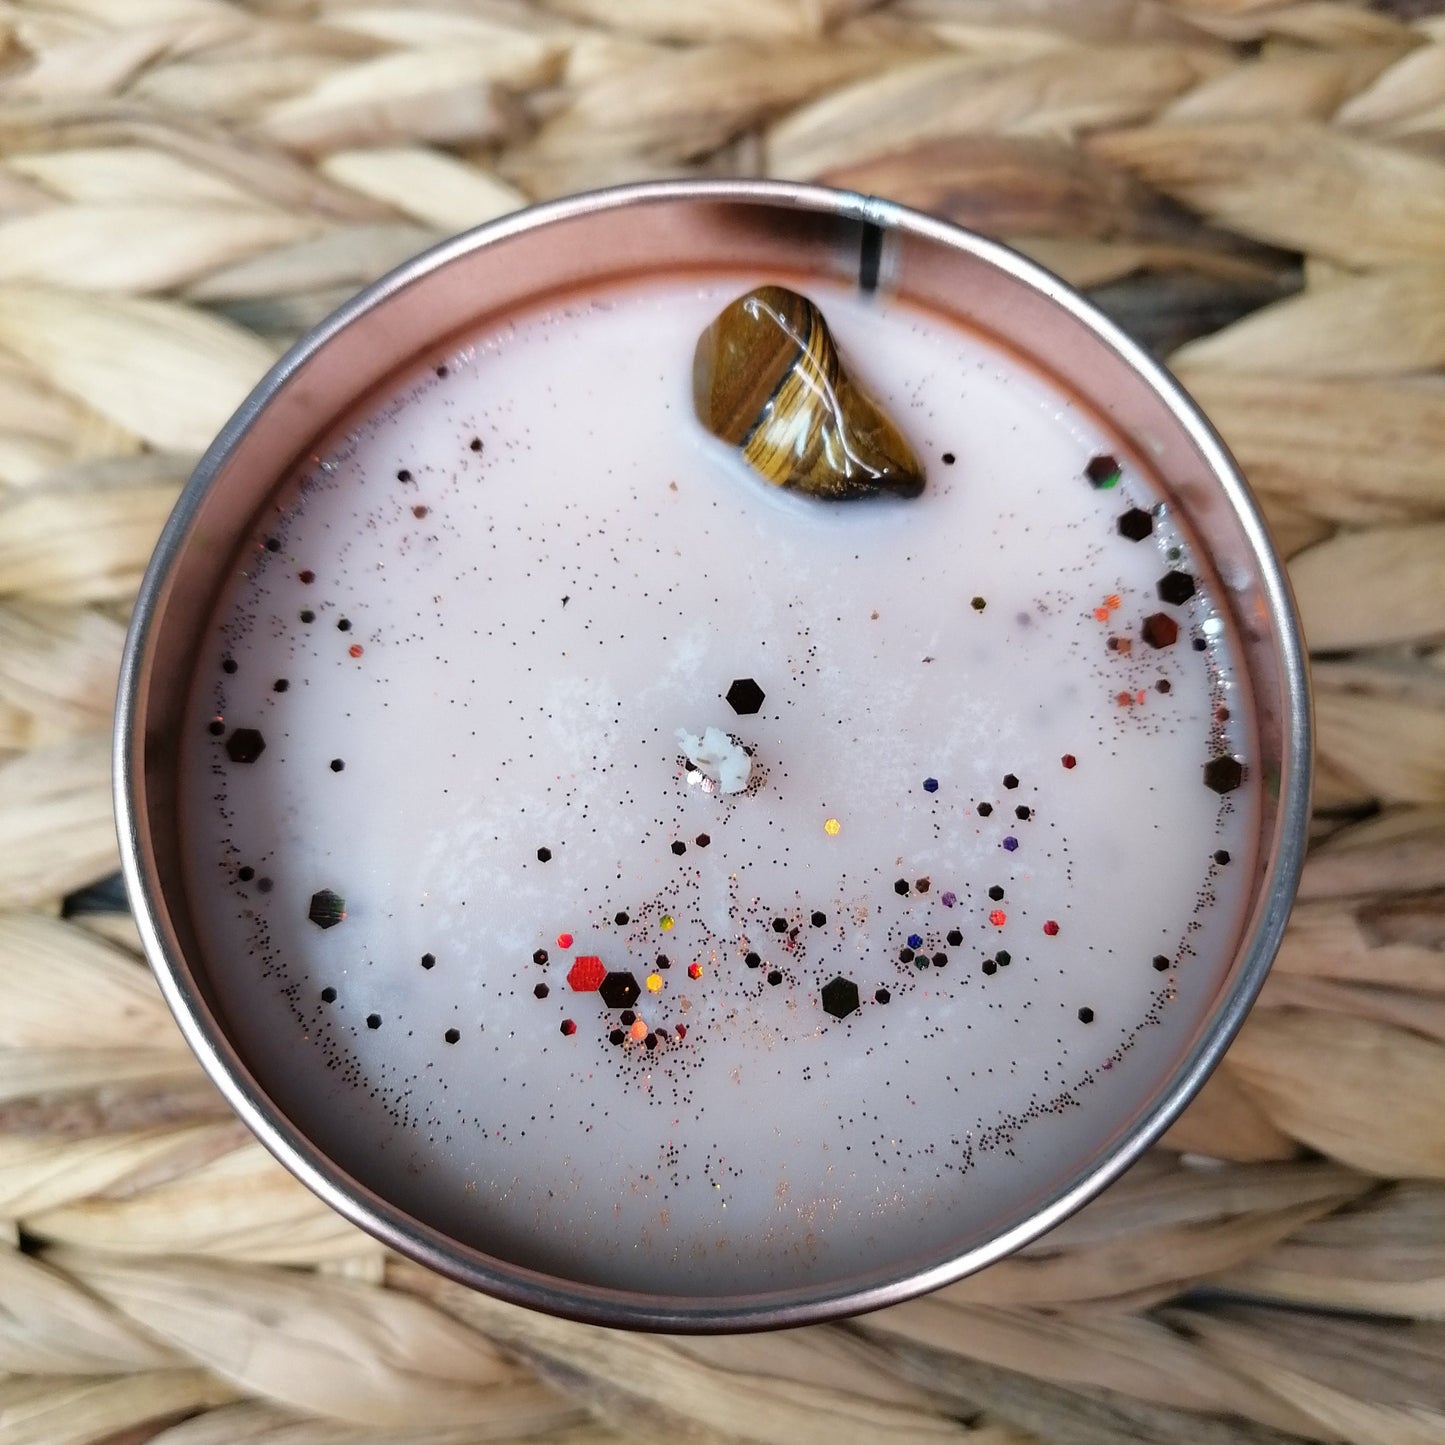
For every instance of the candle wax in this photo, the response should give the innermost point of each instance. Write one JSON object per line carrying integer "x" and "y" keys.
{"x": 522, "y": 969}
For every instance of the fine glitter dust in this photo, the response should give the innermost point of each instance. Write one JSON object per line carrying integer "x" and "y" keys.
{"x": 668, "y": 1037}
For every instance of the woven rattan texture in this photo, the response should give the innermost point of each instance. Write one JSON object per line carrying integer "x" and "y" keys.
{"x": 1256, "y": 189}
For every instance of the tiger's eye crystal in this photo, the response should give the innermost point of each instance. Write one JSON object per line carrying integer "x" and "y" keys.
{"x": 767, "y": 378}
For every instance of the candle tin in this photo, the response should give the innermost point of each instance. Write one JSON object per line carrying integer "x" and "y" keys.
{"x": 565, "y": 247}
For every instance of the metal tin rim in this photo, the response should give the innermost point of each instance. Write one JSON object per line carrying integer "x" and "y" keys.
{"x": 642, "y": 1311}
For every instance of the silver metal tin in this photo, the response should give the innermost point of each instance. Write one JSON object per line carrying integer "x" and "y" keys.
{"x": 566, "y": 246}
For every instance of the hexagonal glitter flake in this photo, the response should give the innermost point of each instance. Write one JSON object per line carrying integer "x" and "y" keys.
{"x": 1176, "y": 588}
{"x": 1136, "y": 524}
{"x": 245, "y": 745}
{"x": 587, "y": 973}
{"x": 840, "y": 997}
{"x": 744, "y": 696}
{"x": 1159, "y": 630}
{"x": 619, "y": 990}
{"x": 1103, "y": 472}
{"x": 327, "y": 909}
{"x": 1224, "y": 775}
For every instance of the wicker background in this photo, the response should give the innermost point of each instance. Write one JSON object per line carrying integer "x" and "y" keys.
{"x": 1257, "y": 189}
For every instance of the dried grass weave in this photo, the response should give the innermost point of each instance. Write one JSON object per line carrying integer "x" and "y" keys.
{"x": 1255, "y": 187}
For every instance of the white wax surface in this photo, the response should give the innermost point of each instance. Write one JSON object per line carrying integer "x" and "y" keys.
{"x": 532, "y": 622}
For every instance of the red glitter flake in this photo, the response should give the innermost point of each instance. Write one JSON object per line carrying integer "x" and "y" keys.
{"x": 586, "y": 974}
{"x": 998, "y": 918}
{"x": 1124, "y": 699}
{"x": 564, "y": 940}
{"x": 682, "y": 1031}
{"x": 568, "y": 1027}
{"x": 694, "y": 970}
{"x": 354, "y": 650}
{"x": 1051, "y": 928}
{"x": 1069, "y": 760}
{"x": 1113, "y": 602}
{"x": 1101, "y": 614}
{"x": 308, "y": 576}
{"x": 1140, "y": 696}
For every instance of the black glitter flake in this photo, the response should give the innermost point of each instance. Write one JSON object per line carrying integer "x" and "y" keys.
{"x": 1102, "y": 472}
{"x": 1221, "y": 857}
{"x": 774, "y": 977}
{"x": 978, "y": 604}
{"x": 1136, "y": 524}
{"x": 996, "y": 893}
{"x": 753, "y": 960}
{"x": 702, "y": 840}
{"x": 328, "y": 995}
{"x": 955, "y": 938}
{"x": 1161, "y": 964}
{"x": 453, "y": 1036}
{"x": 428, "y": 960}
{"x": 780, "y": 925}
{"x": 245, "y": 745}
{"x": 540, "y": 956}
{"x": 840, "y": 997}
{"x": 990, "y": 967}
{"x": 327, "y": 909}
{"x": 216, "y": 728}
{"x": 1159, "y": 630}
{"x": 1004, "y": 958}
{"x": 541, "y": 991}
{"x": 619, "y": 990}
{"x": 1086, "y": 1015}
{"x": 280, "y": 685}
{"x": 544, "y": 855}
{"x": 337, "y": 765}
{"x": 679, "y": 847}
{"x": 744, "y": 696}
{"x": 819, "y": 919}
{"x": 616, "y": 1036}
{"x": 901, "y": 888}
{"x": 621, "y": 919}
{"x": 1010, "y": 781}
{"x": 882, "y": 995}
{"x": 1176, "y": 588}
{"x": 985, "y": 810}
{"x": 1224, "y": 775}
{"x": 373, "y": 1021}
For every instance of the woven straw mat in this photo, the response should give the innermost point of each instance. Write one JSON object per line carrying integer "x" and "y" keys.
{"x": 1255, "y": 189}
